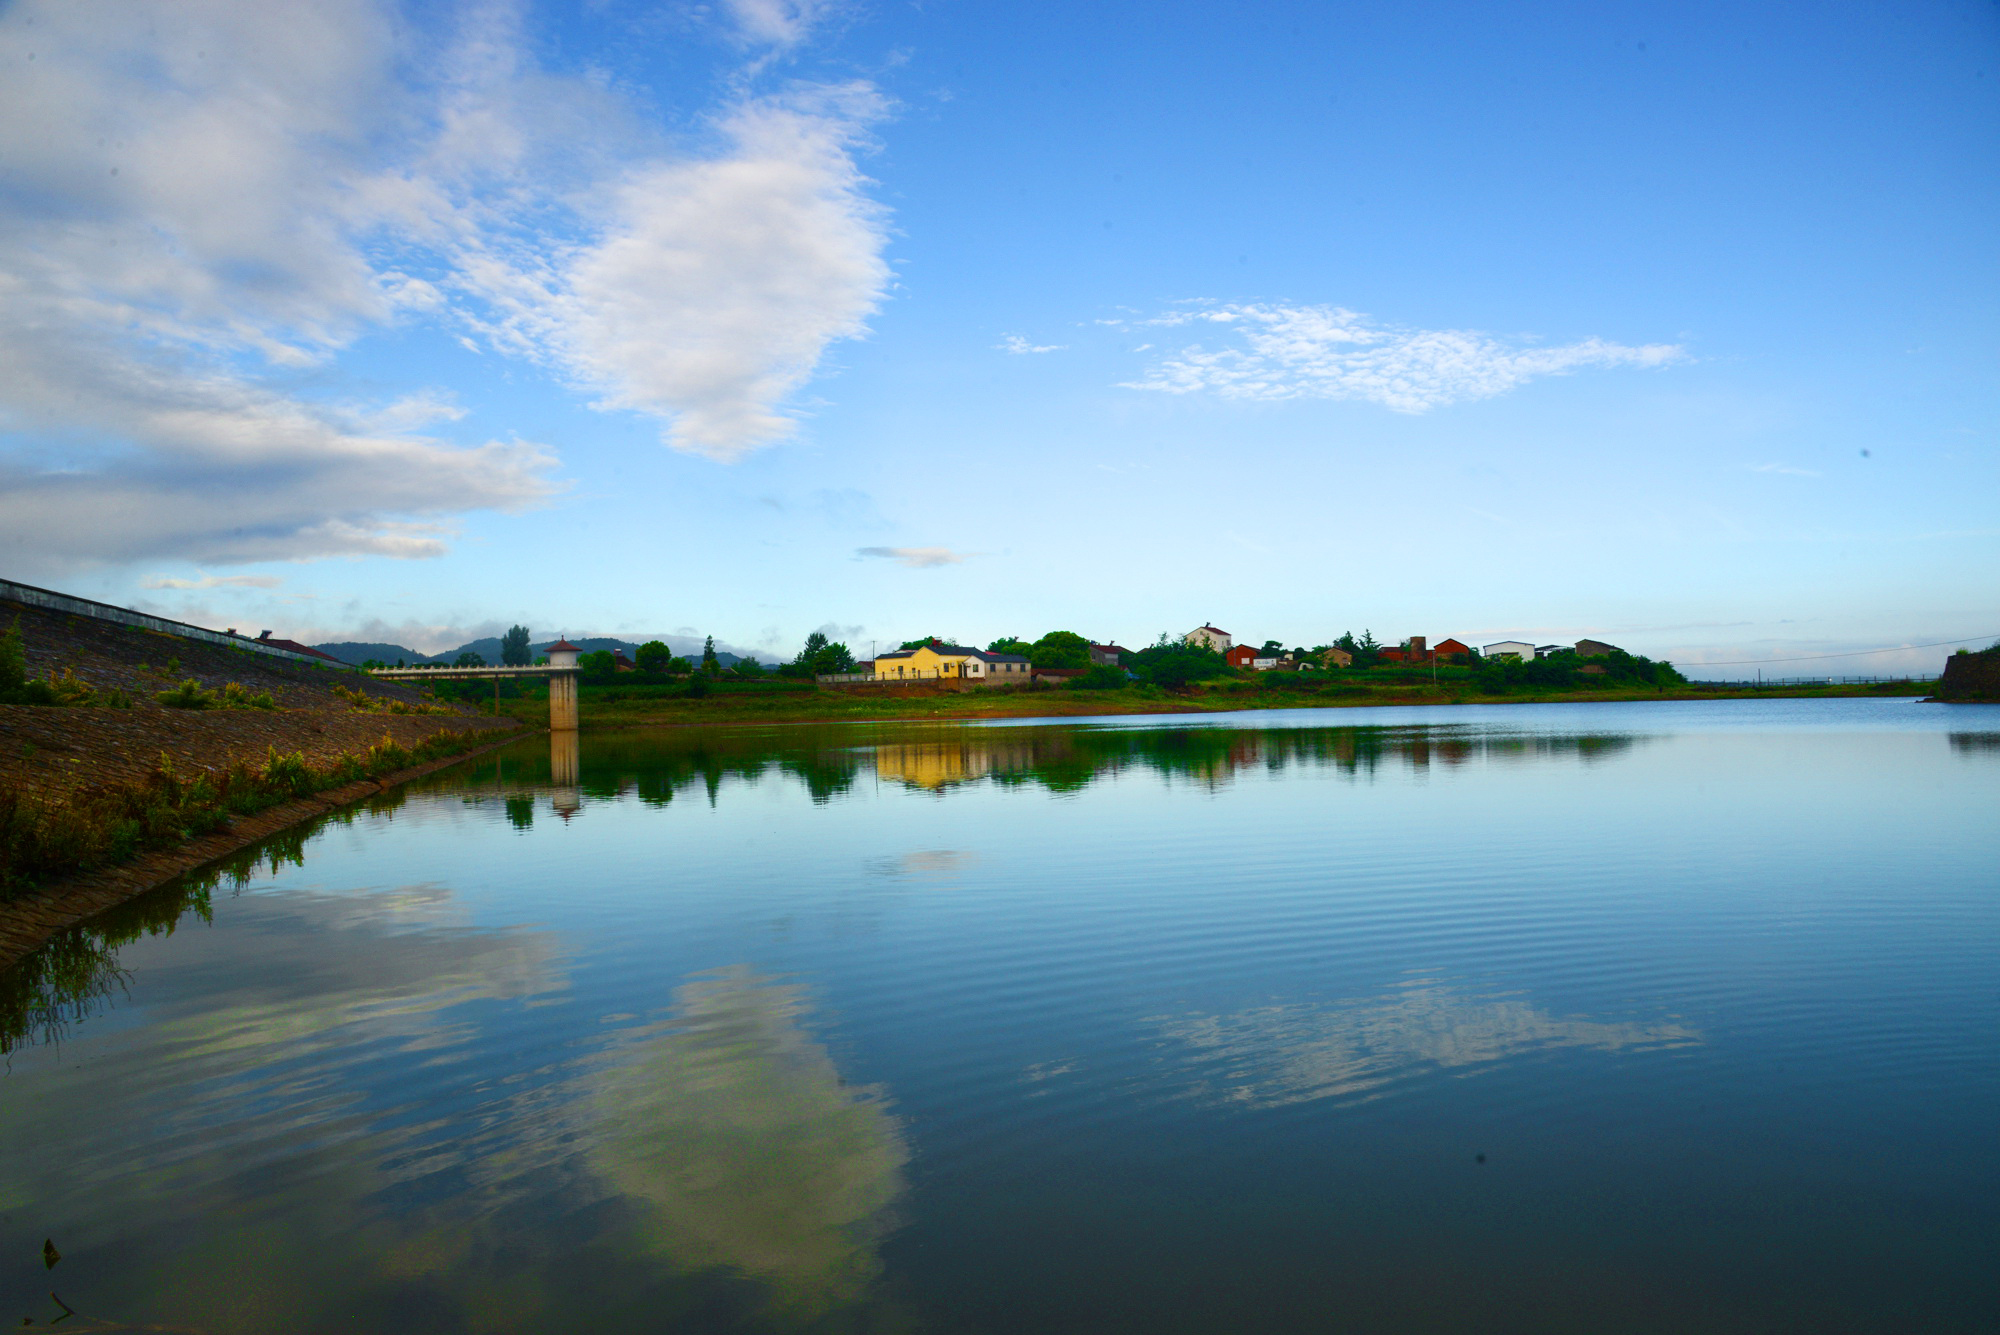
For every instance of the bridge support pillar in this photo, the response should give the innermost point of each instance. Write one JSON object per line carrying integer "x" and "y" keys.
{"x": 562, "y": 702}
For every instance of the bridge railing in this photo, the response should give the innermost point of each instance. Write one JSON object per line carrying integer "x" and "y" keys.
{"x": 879, "y": 678}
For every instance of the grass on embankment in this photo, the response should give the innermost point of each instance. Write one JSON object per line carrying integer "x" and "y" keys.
{"x": 49, "y": 831}
{"x": 619, "y": 706}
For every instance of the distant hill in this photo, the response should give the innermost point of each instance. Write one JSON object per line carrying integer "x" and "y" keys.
{"x": 357, "y": 653}
{"x": 351, "y": 651}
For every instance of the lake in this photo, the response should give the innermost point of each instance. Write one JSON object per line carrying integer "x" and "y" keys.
{"x": 1552, "y": 1018}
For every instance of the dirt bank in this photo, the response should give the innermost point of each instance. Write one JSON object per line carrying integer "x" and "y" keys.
{"x": 31, "y": 919}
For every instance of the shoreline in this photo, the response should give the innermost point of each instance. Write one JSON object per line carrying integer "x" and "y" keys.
{"x": 30, "y": 920}
{"x": 606, "y": 717}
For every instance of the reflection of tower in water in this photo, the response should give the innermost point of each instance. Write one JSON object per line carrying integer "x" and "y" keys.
{"x": 565, "y": 757}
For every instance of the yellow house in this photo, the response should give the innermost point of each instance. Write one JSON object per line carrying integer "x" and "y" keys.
{"x": 952, "y": 663}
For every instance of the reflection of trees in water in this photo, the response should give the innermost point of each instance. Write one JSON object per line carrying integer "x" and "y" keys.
{"x": 827, "y": 760}
{"x": 657, "y": 769}
{"x": 1274, "y": 1055}
{"x": 75, "y": 973}
{"x": 1974, "y": 743}
{"x": 1066, "y": 760}
{"x": 751, "y": 1154}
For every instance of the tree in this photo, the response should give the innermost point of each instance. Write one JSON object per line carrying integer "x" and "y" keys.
{"x": 1008, "y": 644}
{"x": 1060, "y": 649}
{"x": 749, "y": 668}
{"x": 1170, "y": 663}
{"x": 834, "y": 657}
{"x": 514, "y": 647}
{"x": 653, "y": 657}
{"x": 679, "y": 667}
{"x": 1367, "y": 653}
{"x": 709, "y": 662}
{"x": 1271, "y": 649}
{"x": 918, "y": 644}
{"x": 469, "y": 659}
{"x": 600, "y": 666}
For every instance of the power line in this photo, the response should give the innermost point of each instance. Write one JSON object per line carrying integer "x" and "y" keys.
{"x": 1806, "y": 658}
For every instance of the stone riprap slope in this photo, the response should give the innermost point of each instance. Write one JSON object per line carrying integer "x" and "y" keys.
{"x": 95, "y": 744}
{"x": 107, "y": 654}
{"x": 1971, "y": 677}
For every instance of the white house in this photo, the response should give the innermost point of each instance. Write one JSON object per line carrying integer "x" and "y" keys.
{"x": 1208, "y": 637}
{"x": 1520, "y": 649}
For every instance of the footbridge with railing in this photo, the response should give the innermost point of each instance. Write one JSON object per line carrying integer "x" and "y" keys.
{"x": 561, "y": 673}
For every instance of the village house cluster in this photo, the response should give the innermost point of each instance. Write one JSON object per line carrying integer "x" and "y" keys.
{"x": 965, "y": 665}
{"x": 1416, "y": 649}
{"x": 968, "y": 666}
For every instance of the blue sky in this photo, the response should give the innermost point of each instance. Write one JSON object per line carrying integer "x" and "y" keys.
{"x": 1670, "y": 325}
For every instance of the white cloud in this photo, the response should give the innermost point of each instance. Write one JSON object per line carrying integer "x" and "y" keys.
{"x": 916, "y": 558}
{"x": 213, "y": 582}
{"x": 1325, "y": 352}
{"x": 720, "y": 283}
{"x": 205, "y": 193}
{"x": 1784, "y": 468}
{"x": 1014, "y": 343}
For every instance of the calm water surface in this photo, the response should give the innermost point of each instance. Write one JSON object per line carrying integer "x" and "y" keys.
{"x": 1594, "y": 1018}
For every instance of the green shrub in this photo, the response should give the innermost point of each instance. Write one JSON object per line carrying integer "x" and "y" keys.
{"x": 235, "y": 695}
{"x": 289, "y": 774}
{"x": 1102, "y": 677}
{"x": 188, "y": 695}
{"x": 13, "y": 661}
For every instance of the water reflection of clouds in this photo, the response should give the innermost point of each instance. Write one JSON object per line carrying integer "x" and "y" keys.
{"x": 331, "y": 1115}
{"x": 1270, "y": 1056}
{"x": 752, "y": 1155}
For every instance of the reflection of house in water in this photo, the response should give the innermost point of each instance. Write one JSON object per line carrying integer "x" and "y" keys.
{"x": 939, "y": 765}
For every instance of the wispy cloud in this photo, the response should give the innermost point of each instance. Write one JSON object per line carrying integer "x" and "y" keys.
{"x": 1326, "y": 352}
{"x": 1785, "y": 468}
{"x": 213, "y": 582}
{"x": 1020, "y": 346}
{"x": 916, "y": 558}
{"x": 778, "y": 23}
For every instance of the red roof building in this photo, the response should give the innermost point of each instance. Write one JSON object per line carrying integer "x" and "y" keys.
{"x": 297, "y": 648}
{"x": 1241, "y": 656}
